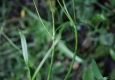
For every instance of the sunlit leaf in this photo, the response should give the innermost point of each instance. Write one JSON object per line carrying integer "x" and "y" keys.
{"x": 24, "y": 47}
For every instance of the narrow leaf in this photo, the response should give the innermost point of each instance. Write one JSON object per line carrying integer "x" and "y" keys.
{"x": 1, "y": 29}
{"x": 88, "y": 74}
{"x": 112, "y": 53}
{"x": 68, "y": 52}
{"x": 24, "y": 47}
{"x": 44, "y": 59}
{"x": 96, "y": 71}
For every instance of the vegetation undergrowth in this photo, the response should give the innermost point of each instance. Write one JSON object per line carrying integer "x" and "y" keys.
{"x": 65, "y": 40}
{"x": 73, "y": 23}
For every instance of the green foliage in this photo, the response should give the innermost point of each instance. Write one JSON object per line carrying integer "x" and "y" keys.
{"x": 112, "y": 53}
{"x": 96, "y": 71}
{"x": 1, "y": 31}
{"x": 88, "y": 74}
{"x": 51, "y": 38}
{"x": 24, "y": 48}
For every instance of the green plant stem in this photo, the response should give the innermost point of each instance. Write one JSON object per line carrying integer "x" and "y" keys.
{"x": 41, "y": 19}
{"x": 51, "y": 64}
{"x": 46, "y": 56}
{"x": 66, "y": 11}
{"x": 73, "y": 22}
{"x": 74, "y": 14}
{"x": 25, "y": 51}
{"x": 73, "y": 59}
{"x": 53, "y": 51}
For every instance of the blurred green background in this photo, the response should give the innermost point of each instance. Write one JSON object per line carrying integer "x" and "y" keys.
{"x": 96, "y": 38}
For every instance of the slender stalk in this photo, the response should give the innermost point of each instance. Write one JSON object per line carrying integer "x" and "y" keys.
{"x": 73, "y": 59}
{"x": 62, "y": 7}
{"x": 51, "y": 64}
{"x": 76, "y": 43}
{"x": 66, "y": 12}
{"x": 53, "y": 39}
{"x": 74, "y": 14}
{"x": 41, "y": 19}
{"x": 75, "y": 31}
{"x": 53, "y": 51}
{"x": 45, "y": 57}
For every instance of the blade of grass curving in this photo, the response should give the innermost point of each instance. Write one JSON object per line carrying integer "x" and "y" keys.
{"x": 96, "y": 71}
{"x": 41, "y": 19}
{"x": 44, "y": 59}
